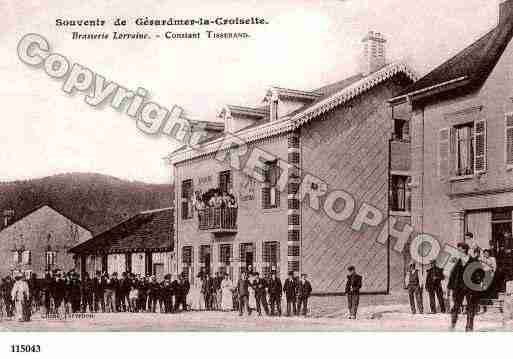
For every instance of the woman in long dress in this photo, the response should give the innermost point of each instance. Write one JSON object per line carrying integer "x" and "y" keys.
{"x": 197, "y": 297}
{"x": 226, "y": 293}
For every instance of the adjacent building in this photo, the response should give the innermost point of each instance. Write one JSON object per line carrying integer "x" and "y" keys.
{"x": 39, "y": 241}
{"x": 143, "y": 244}
{"x": 461, "y": 121}
{"x": 341, "y": 133}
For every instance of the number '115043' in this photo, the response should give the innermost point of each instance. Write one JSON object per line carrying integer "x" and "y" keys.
{"x": 25, "y": 348}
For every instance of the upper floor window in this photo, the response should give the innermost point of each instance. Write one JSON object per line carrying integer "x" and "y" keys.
{"x": 225, "y": 182}
{"x": 401, "y": 130}
{"x": 464, "y": 142}
{"x": 187, "y": 199}
{"x": 400, "y": 193}
{"x": 270, "y": 194}
{"x": 50, "y": 257}
{"x": 462, "y": 149}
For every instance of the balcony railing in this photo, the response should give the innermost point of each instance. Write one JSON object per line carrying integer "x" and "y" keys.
{"x": 218, "y": 219}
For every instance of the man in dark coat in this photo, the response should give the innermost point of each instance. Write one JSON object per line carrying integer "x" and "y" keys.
{"x": 275, "y": 289}
{"x": 465, "y": 283}
{"x": 434, "y": 278}
{"x": 167, "y": 293}
{"x": 183, "y": 289}
{"x": 208, "y": 290}
{"x": 414, "y": 282}
{"x": 353, "y": 286}
{"x": 290, "y": 290}
{"x": 46, "y": 295}
{"x": 58, "y": 291}
{"x": 259, "y": 286}
{"x": 5, "y": 292}
{"x": 98, "y": 292}
{"x": 86, "y": 290}
{"x": 125, "y": 283}
{"x": 304, "y": 290}
{"x": 243, "y": 293}
{"x": 75, "y": 292}
{"x": 153, "y": 292}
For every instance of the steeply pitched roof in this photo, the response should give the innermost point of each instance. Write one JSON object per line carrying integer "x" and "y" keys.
{"x": 151, "y": 230}
{"x": 474, "y": 63}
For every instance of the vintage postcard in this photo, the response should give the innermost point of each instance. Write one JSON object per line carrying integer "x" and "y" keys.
{"x": 286, "y": 165}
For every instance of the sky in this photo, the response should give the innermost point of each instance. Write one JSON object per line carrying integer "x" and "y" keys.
{"x": 305, "y": 45}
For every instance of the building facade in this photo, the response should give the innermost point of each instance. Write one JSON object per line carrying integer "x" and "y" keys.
{"x": 141, "y": 245}
{"x": 273, "y": 159}
{"x": 461, "y": 121}
{"x": 39, "y": 241}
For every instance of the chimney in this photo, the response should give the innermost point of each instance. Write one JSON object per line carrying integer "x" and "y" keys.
{"x": 374, "y": 52}
{"x": 8, "y": 216}
{"x": 505, "y": 11}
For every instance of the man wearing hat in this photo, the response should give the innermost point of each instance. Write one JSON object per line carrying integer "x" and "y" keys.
{"x": 304, "y": 290}
{"x": 434, "y": 278}
{"x": 20, "y": 296}
{"x": 290, "y": 290}
{"x": 465, "y": 283}
{"x": 414, "y": 282}
{"x": 275, "y": 289}
{"x": 353, "y": 286}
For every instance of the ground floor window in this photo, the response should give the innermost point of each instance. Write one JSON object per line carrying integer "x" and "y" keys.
{"x": 400, "y": 193}
{"x": 271, "y": 258}
{"x": 247, "y": 257}
{"x": 205, "y": 258}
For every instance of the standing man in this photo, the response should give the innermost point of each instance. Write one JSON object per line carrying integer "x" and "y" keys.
{"x": 98, "y": 292}
{"x": 464, "y": 282}
{"x": 153, "y": 291}
{"x": 290, "y": 290}
{"x": 5, "y": 291}
{"x": 259, "y": 286}
{"x": 183, "y": 290}
{"x": 353, "y": 286}
{"x": 303, "y": 293}
{"x": 275, "y": 289}
{"x": 20, "y": 296}
{"x": 434, "y": 278}
{"x": 207, "y": 290}
{"x": 243, "y": 293}
{"x": 86, "y": 290}
{"x": 414, "y": 282}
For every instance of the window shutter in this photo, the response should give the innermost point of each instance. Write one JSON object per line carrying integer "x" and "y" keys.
{"x": 443, "y": 153}
{"x": 509, "y": 139}
{"x": 480, "y": 146}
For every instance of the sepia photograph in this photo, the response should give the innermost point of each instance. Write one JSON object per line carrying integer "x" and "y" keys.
{"x": 255, "y": 166}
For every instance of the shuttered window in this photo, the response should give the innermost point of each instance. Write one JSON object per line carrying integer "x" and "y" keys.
{"x": 509, "y": 139}
{"x": 443, "y": 153}
{"x": 480, "y": 146}
{"x": 187, "y": 193}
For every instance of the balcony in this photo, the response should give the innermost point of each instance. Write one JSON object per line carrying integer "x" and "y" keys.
{"x": 218, "y": 220}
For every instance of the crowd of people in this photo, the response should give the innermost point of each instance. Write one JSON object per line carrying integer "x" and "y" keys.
{"x": 214, "y": 198}
{"x": 252, "y": 292}
{"x": 65, "y": 293}
{"x": 59, "y": 293}
{"x": 477, "y": 290}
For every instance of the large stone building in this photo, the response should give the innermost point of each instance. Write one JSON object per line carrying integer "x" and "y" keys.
{"x": 340, "y": 134}
{"x": 143, "y": 244}
{"x": 39, "y": 241}
{"x": 461, "y": 121}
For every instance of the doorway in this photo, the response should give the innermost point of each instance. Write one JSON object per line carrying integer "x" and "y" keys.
{"x": 502, "y": 245}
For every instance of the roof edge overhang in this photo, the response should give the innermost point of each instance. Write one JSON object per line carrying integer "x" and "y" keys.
{"x": 430, "y": 91}
{"x": 287, "y": 123}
